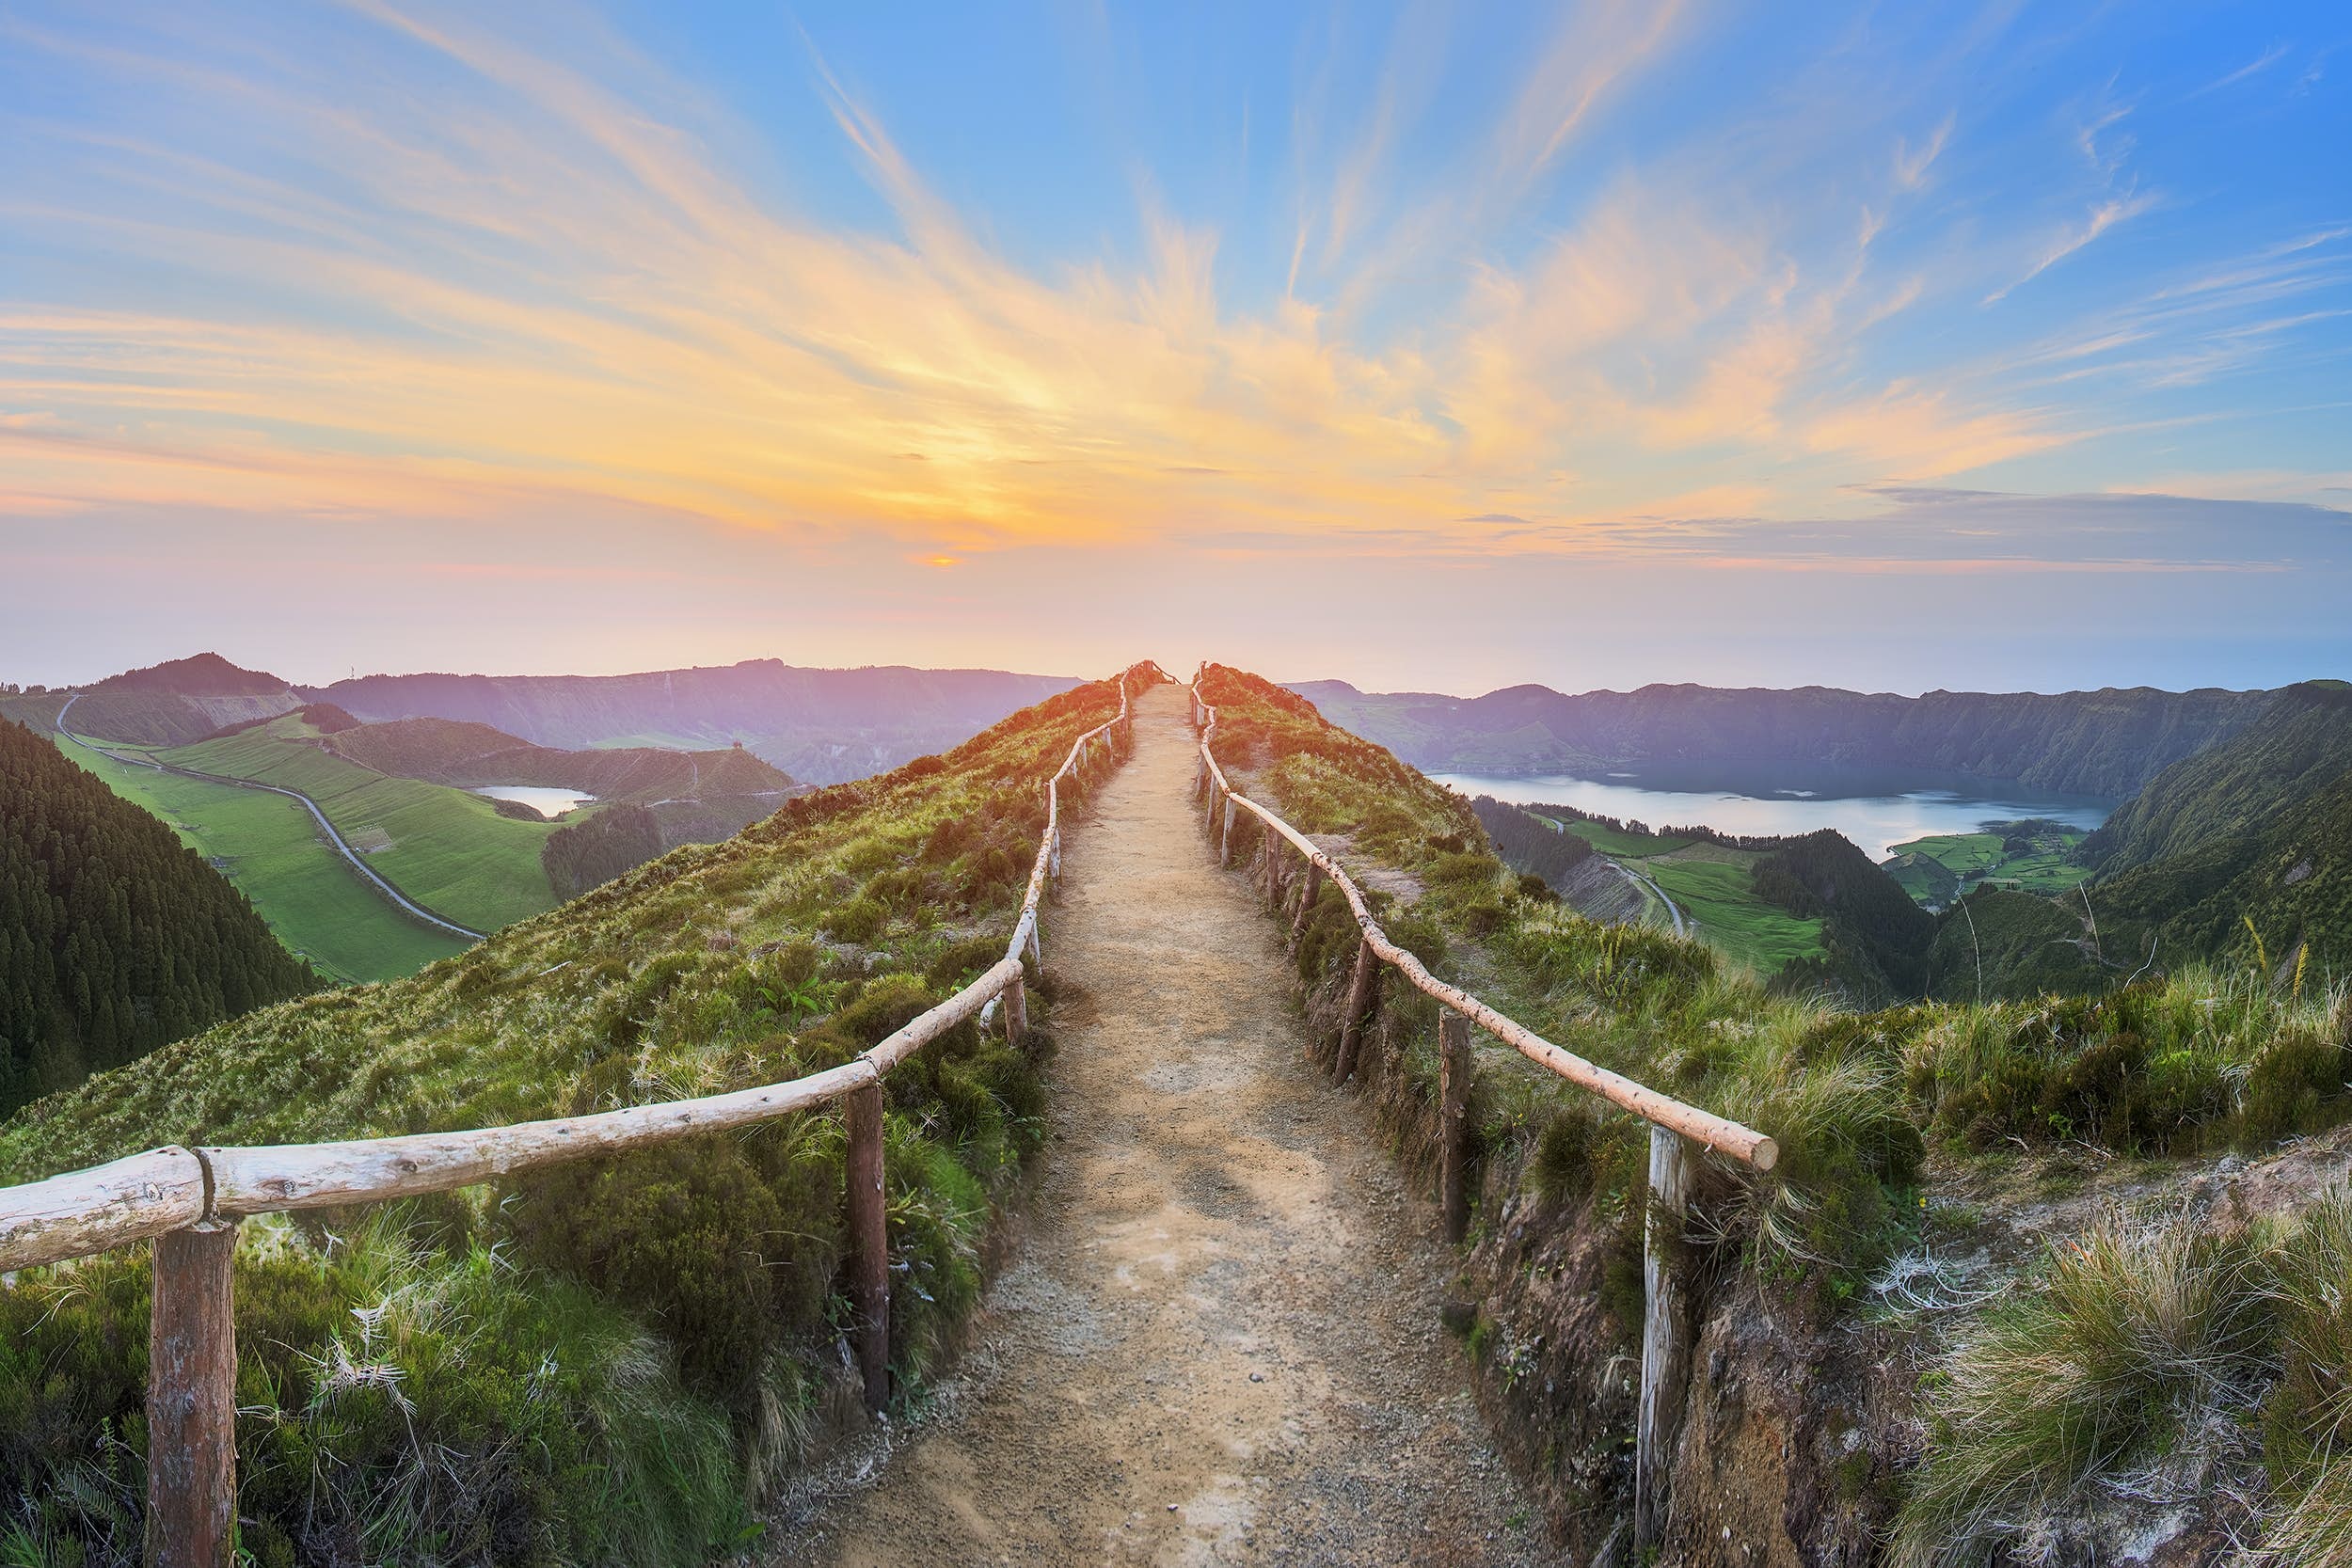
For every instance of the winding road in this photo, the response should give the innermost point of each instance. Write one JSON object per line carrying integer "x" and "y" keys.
{"x": 1674, "y": 911}
{"x": 398, "y": 897}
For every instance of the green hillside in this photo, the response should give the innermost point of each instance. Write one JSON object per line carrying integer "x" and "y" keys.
{"x": 2300, "y": 744}
{"x": 2243, "y": 852}
{"x": 609, "y": 1363}
{"x": 450, "y": 851}
{"x": 115, "y": 937}
{"x": 270, "y": 848}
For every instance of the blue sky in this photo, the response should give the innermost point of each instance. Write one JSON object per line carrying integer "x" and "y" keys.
{"x": 1426, "y": 346}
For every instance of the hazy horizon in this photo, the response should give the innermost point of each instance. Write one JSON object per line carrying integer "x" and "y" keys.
{"x": 1181, "y": 668}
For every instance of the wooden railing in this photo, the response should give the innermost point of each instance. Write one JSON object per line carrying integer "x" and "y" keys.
{"x": 1664, "y": 1336}
{"x": 190, "y": 1201}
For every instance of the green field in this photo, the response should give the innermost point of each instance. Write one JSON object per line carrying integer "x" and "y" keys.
{"x": 1719, "y": 894}
{"x": 1610, "y": 842}
{"x": 447, "y": 849}
{"x": 271, "y": 849}
{"x": 1712, "y": 886}
{"x": 1976, "y": 858}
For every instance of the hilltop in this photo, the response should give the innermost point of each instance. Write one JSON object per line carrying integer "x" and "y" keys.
{"x": 2108, "y": 743}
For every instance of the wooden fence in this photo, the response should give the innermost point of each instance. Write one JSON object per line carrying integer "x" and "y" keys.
{"x": 1664, "y": 1328}
{"x": 190, "y": 1201}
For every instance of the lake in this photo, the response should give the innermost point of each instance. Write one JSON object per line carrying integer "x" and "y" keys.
{"x": 1876, "y": 808}
{"x": 548, "y": 803}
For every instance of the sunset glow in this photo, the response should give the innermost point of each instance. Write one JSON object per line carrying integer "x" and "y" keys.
{"x": 1535, "y": 313}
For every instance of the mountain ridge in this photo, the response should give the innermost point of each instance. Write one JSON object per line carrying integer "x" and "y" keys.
{"x": 2107, "y": 742}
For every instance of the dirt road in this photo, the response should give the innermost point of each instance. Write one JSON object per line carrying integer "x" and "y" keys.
{"x": 1218, "y": 1341}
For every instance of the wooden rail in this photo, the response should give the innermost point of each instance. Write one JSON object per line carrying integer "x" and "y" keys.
{"x": 1664, "y": 1336}
{"x": 190, "y": 1201}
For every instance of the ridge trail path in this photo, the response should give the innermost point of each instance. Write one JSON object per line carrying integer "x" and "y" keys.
{"x": 1218, "y": 1339}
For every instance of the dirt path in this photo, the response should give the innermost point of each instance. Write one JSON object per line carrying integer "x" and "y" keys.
{"x": 1219, "y": 1343}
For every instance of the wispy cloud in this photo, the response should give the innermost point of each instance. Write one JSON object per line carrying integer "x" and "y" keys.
{"x": 2102, "y": 217}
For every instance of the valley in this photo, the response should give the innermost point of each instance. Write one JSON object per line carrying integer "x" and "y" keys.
{"x": 432, "y": 828}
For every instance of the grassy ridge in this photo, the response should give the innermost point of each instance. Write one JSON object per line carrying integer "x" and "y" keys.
{"x": 2199, "y": 1059}
{"x": 2112, "y": 1370}
{"x": 607, "y": 1361}
{"x": 271, "y": 848}
{"x": 450, "y": 851}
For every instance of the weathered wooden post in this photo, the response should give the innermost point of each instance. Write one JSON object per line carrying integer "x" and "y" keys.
{"x": 1663, "y": 1347}
{"x": 1225, "y": 837}
{"x": 1360, "y": 991}
{"x": 1016, "y": 1012}
{"x": 1055, "y": 871}
{"x": 869, "y": 1242}
{"x": 1306, "y": 903}
{"x": 1453, "y": 1074}
{"x": 1273, "y": 867}
{"x": 192, "y": 1398}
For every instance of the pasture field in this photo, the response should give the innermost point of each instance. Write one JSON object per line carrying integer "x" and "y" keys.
{"x": 1712, "y": 885}
{"x": 451, "y": 850}
{"x": 271, "y": 849}
{"x": 1717, "y": 892}
{"x": 1616, "y": 844}
{"x": 1982, "y": 857}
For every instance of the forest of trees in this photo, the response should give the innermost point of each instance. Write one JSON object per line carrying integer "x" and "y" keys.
{"x": 588, "y": 854}
{"x": 115, "y": 938}
{"x": 1527, "y": 844}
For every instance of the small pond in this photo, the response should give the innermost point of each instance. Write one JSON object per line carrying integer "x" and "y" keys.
{"x": 547, "y": 801}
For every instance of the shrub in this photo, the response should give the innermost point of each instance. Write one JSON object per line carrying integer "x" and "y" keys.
{"x": 2135, "y": 1340}
{"x": 861, "y": 920}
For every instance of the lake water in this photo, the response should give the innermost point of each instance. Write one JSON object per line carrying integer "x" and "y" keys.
{"x": 550, "y": 803}
{"x": 1875, "y": 808}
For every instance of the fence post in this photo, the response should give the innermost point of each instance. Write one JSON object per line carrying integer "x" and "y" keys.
{"x": 1453, "y": 1075}
{"x": 1016, "y": 1012}
{"x": 192, "y": 1398}
{"x": 1359, "y": 997}
{"x": 869, "y": 1242}
{"x": 1306, "y": 903}
{"x": 1055, "y": 871}
{"x": 1273, "y": 864}
{"x": 1662, "y": 1348}
{"x": 1225, "y": 838}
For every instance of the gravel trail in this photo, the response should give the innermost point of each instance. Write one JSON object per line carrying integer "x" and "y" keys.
{"x": 1218, "y": 1339}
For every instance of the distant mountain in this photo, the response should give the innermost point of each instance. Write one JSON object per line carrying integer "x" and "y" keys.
{"x": 823, "y": 726}
{"x": 180, "y": 702}
{"x": 2240, "y": 853}
{"x": 198, "y": 675}
{"x": 2299, "y": 745}
{"x": 470, "y": 756}
{"x": 115, "y": 938}
{"x": 2108, "y": 743}
{"x": 2257, "y": 829}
